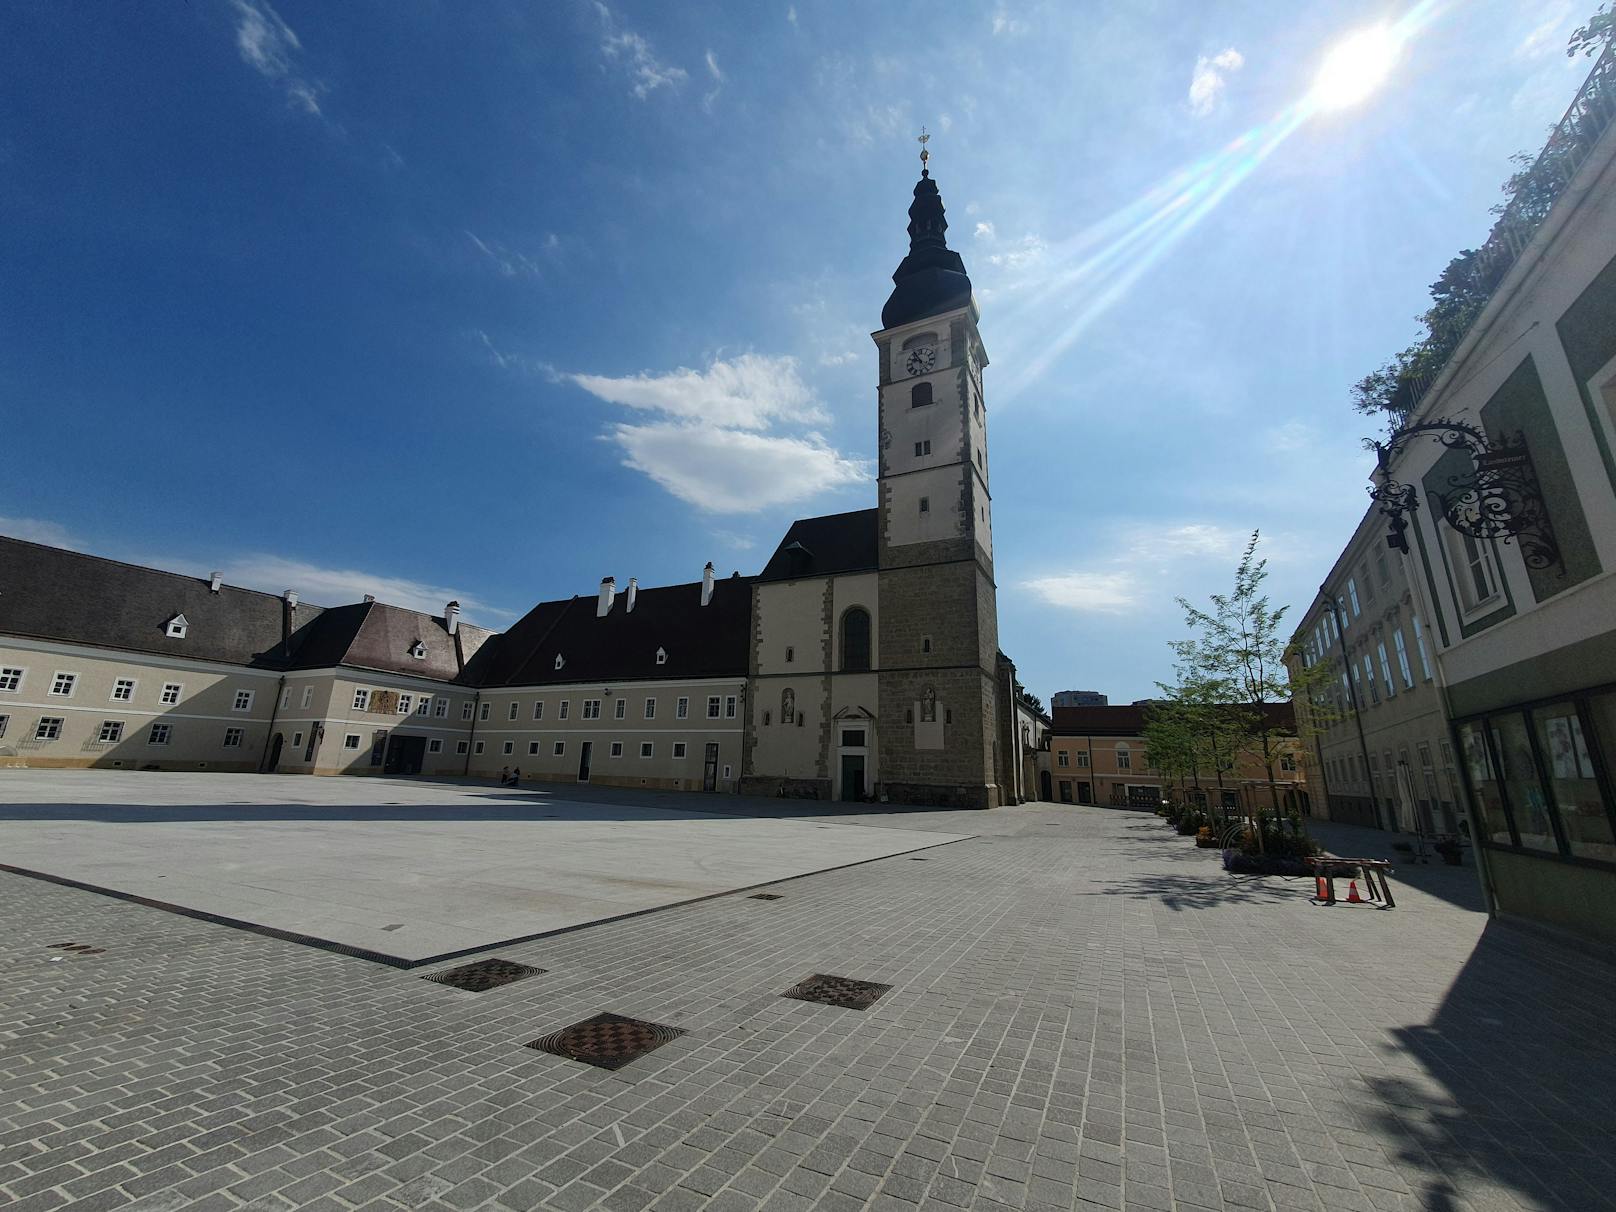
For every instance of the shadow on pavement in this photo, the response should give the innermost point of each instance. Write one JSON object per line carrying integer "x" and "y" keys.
{"x": 1521, "y": 1073}
{"x": 1213, "y": 890}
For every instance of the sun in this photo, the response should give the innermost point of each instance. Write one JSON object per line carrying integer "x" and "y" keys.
{"x": 1355, "y": 67}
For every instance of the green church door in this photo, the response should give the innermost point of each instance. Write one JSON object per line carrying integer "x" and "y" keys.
{"x": 852, "y": 776}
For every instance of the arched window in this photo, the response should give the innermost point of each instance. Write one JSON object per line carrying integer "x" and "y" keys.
{"x": 856, "y": 640}
{"x": 920, "y": 395}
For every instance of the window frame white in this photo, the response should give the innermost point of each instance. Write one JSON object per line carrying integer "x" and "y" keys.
{"x": 61, "y": 689}
{"x": 172, "y": 693}
{"x": 160, "y": 733}
{"x": 681, "y": 709}
{"x": 119, "y": 684}
{"x": 115, "y": 727}
{"x": 351, "y": 742}
{"x": 650, "y": 707}
{"x": 235, "y": 737}
{"x": 243, "y": 700}
{"x": 647, "y": 749}
{"x": 49, "y": 727}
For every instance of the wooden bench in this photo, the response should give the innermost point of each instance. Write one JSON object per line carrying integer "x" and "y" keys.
{"x": 1327, "y": 867}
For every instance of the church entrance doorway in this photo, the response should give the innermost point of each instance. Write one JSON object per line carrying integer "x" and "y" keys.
{"x": 709, "y": 768}
{"x": 405, "y": 754}
{"x": 852, "y": 776}
{"x": 585, "y": 752}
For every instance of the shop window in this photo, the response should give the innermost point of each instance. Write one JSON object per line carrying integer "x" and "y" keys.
{"x": 1568, "y": 755}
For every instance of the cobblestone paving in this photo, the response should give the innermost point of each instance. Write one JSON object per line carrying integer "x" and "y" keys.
{"x": 1085, "y": 1013}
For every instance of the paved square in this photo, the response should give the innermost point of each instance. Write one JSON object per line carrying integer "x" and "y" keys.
{"x": 404, "y": 869}
{"x": 1086, "y": 1013}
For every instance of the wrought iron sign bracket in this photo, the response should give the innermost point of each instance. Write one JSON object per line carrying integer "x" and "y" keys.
{"x": 1498, "y": 497}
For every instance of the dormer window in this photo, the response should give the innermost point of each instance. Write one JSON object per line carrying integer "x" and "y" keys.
{"x": 176, "y": 627}
{"x": 560, "y": 660}
{"x": 661, "y": 656}
{"x": 418, "y": 650}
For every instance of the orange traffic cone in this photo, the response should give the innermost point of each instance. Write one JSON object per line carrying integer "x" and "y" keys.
{"x": 1321, "y": 888}
{"x": 1352, "y": 894}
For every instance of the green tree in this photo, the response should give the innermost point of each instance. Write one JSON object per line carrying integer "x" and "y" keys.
{"x": 1590, "y": 39}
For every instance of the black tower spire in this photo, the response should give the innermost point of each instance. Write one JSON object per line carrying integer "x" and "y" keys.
{"x": 931, "y": 279}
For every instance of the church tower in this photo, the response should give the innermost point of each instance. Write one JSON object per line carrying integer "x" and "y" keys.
{"x": 938, "y": 622}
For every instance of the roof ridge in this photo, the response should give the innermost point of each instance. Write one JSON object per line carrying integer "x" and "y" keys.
{"x": 183, "y": 576}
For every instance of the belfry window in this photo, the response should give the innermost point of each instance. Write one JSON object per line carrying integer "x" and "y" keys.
{"x": 856, "y": 640}
{"x": 920, "y": 395}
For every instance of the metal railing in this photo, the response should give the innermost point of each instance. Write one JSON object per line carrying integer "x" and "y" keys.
{"x": 1568, "y": 147}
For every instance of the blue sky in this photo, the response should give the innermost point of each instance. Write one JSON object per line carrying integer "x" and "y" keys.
{"x": 493, "y": 300}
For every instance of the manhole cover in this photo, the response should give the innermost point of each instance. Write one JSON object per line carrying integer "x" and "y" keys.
{"x": 837, "y": 991}
{"x": 607, "y": 1041}
{"x": 764, "y": 896}
{"x": 78, "y": 948}
{"x": 483, "y": 975}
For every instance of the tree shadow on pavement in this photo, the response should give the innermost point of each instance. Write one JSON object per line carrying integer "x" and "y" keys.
{"x": 1211, "y": 891}
{"x": 1517, "y": 1089}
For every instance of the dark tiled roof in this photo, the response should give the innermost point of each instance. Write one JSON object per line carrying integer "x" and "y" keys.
{"x": 837, "y": 542}
{"x": 700, "y": 641}
{"x": 374, "y": 635}
{"x": 1130, "y": 720}
{"x": 52, "y": 594}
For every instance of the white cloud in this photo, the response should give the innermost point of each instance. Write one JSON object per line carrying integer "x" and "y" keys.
{"x": 509, "y": 262}
{"x": 1027, "y": 251}
{"x": 984, "y": 230}
{"x": 734, "y": 470}
{"x": 1088, "y": 591}
{"x": 1004, "y": 23}
{"x": 336, "y": 586}
{"x": 1209, "y": 78}
{"x": 520, "y": 363}
{"x": 791, "y": 14}
{"x": 728, "y": 439}
{"x": 750, "y": 392}
{"x": 718, "y": 82}
{"x": 632, "y": 50}
{"x": 268, "y": 45}
{"x": 1194, "y": 539}
{"x": 38, "y": 530}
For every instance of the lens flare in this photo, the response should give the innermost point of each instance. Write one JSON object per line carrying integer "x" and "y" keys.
{"x": 1356, "y": 67}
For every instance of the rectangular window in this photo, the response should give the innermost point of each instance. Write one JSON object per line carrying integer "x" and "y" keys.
{"x": 233, "y": 737}
{"x": 4, "y": 721}
{"x": 482, "y": 712}
{"x": 160, "y": 734}
{"x": 647, "y": 749}
{"x": 461, "y": 747}
{"x": 678, "y": 749}
{"x": 1368, "y": 584}
{"x": 111, "y": 732}
{"x": 244, "y": 700}
{"x": 1352, "y": 595}
{"x": 48, "y": 728}
{"x": 62, "y": 684}
{"x": 1478, "y": 576}
{"x": 1386, "y": 669}
{"x": 650, "y": 709}
{"x": 538, "y": 709}
{"x": 10, "y": 678}
{"x": 465, "y": 709}
{"x": 617, "y": 749}
{"x": 286, "y": 698}
{"x": 434, "y": 746}
{"x": 591, "y": 709}
{"x": 559, "y": 750}
{"x": 1528, "y": 810}
{"x": 297, "y": 740}
{"x": 923, "y": 448}
{"x": 308, "y": 696}
{"x": 1343, "y": 621}
{"x": 681, "y": 710}
{"x": 925, "y": 504}
{"x": 1062, "y": 758}
{"x": 351, "y": 741}
{"x": 1124, "y": 760}
{"x": 713, "y": 703}
{"x": 620, "y": 710}
{"x": 361, "y": 700}
{"x": 1369, "y": 679}
{"x": 508, "y": 748}
{"x": 1082, "y": 760}
{"x": 561, "y": 713}
{"x": 1287, "y": 761}
{"x": 533, "y": 749}
{"x": 424, "y": 706}
{"x": 478, "y": 748}
{"x": 511, "y": 714}
{"x": 1419, "y": 643}
{"x": 729, "y": 707}
{"x": 123, "y": 690}
{"x": 440, "y": 708}
{"x": 405, "y": 702}
{"x": 1402, "y": 659}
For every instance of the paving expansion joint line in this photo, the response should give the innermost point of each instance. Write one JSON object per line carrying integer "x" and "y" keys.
{"x": 396, "y": 961}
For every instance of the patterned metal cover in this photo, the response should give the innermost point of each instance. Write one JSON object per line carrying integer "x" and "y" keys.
{"x": 607, "y": 1041}
{"x": 838, "y": 991}
{"x": 483, "y": 975}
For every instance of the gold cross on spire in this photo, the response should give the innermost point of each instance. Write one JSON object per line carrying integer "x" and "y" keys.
{"x": 924, "y": 154}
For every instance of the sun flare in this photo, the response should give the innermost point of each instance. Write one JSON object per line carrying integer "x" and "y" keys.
{"x": 1355, "y": 67}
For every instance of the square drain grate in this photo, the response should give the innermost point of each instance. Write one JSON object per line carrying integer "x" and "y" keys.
{"x": 483, "y": 975}
{"x": 607, "y": 1041}
{"x": 764, "y": 896}
{"x": 838, "y": 991}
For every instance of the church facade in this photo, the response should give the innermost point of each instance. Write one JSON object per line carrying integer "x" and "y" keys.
{"x": 862, "y": 663}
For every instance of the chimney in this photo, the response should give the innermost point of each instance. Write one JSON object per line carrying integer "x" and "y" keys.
{"x": 451, "y": 617}
{"x": 291, "y": 598}
{"x": 707, "y": 583}
{"x": 370, "y": 597}
{"x": 608, "y": 594}
{"x": 215, "y": 579}
{"x": 633, "y": 592}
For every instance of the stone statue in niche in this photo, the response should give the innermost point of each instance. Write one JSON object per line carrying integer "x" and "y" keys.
{"x": 928, "y": 705}
{"x": 788, "y": 706}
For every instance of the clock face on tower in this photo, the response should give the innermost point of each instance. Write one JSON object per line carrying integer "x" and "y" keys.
{"x": 921, "y": 360}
